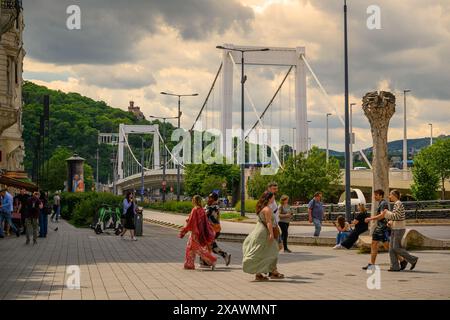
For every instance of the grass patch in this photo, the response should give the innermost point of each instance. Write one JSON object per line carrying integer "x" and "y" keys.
{"x": 230, "y": 216}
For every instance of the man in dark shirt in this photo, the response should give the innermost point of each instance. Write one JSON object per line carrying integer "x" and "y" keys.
{"x": 22, "y": 199}
{"x": 381, "y": 229}
{"x": 34, "y": 206}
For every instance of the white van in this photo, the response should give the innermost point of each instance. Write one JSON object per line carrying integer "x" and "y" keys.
{"x": 357, "y": 197}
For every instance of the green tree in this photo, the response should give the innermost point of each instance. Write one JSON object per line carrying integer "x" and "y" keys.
{"x": 440, "y": 151}
{"x": 431, "y": 166}
{"x": 57, "y": 171}
{"x": 195, "y": 176}
{"x": 426, "y": 181}
{"x": 304, "y": 175}
{"x": 257, "y": 184}
{"x": 212, "y": 183}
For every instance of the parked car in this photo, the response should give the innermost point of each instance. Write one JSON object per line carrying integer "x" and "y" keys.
{"x": 357, "y": 197}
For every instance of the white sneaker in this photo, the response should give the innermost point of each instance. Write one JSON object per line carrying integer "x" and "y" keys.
{"x": 337, "y": 247}
{"x": 134, "y": 239}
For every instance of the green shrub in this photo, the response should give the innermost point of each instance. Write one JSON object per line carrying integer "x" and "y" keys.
{"x": 81, "y": 208}
{"x": 250, "y": 206}
{"x": 69, "y": 201}
{"x": 172, "y": 206}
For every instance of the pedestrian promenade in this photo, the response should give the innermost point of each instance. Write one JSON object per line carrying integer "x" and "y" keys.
{"x": 152, "y": 268}
{"x": 237, "y": 227}
{"x": 435, "y": 232}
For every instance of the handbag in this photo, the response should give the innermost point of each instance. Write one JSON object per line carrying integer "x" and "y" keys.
{"x": 276, "y": 232}
{"x": 216, "y": 227}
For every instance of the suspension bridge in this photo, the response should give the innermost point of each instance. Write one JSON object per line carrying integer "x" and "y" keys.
{"x": 286, "y": 111}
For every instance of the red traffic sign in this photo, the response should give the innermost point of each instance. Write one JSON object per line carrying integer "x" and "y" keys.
{"x": 164, "y": 183}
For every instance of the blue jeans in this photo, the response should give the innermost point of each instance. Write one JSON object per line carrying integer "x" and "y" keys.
{"x": 56, "y": 212}
{"x": 317, "y": 226}
{"x": 6, "y": 215}
{"x": 43, "y": 222}
{"x": 341, "y": 236}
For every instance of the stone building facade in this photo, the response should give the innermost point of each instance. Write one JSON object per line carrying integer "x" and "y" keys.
{"x": 12, "y": 149}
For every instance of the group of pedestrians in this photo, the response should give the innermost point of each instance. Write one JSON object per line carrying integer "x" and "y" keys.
{"x": 29, "y": 211}
{"x": 262, "y": 246}
{"x": 389, "y": 230}
{"x": 204, "y": 227}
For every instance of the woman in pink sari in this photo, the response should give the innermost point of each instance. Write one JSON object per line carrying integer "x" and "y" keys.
{"x": 201, "y": 237}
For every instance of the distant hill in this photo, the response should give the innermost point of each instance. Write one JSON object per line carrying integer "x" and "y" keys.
{"x": 396, "y": 147}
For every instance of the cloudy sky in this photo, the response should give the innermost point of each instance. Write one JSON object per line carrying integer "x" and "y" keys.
{"x": 132, "y": 50}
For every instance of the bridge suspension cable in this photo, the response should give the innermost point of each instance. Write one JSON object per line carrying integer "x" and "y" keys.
{"x": 207, "y": 97}
{"x": 259, "y": 121}
{"x": 332, "y": 103}
{"x": 277, "y": 159}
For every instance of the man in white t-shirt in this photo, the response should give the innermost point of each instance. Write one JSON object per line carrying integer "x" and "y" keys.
{"x": 56, "y": 207}
{"x": 273, "y": 188}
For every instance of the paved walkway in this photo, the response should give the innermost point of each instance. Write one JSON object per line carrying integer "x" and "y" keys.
{"x": 435, "y": 232}
{"x": 151, "y": 268}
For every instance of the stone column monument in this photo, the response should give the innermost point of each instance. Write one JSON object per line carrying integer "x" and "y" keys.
{"x": 379, "y": 109}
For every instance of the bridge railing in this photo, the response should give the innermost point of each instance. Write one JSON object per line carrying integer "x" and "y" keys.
{"x": 437, "y": 209}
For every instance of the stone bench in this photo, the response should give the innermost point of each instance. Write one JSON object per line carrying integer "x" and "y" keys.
{"x": 412, "y": 240}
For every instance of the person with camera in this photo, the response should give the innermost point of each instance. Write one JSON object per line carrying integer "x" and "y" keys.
{"x": 129, "y": 213}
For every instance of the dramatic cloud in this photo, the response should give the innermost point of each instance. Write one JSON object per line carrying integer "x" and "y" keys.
{"x": 110, "y": 29}
{"x": 133, "y": 51}
{"x": 116, "y": 77}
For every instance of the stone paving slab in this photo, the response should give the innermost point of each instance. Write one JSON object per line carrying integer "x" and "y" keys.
{"x": 151, "y": 268}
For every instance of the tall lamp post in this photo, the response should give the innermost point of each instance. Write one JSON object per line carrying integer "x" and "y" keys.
{"x": 352, "y": 135}
{"x": 347, "y": 124}
{"x": 328, "y": 138}
{"x": 142, "y": 170}
{"x": 97, "y": 157}
{"x": 309, "y": 138}
{"x": 431, "y": 133}
{"x": 405, "y": 134}
{"x": 293, "y": 141}
{"x": 179, "y": 125}
{"x": 243, "y": 79}
{"x": 164, "y": 183}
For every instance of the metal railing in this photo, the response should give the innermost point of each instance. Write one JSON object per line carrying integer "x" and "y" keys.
{"x": 414, "y": 210}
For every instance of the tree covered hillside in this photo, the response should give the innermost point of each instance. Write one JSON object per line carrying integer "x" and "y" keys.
{"x": 75, "y": 122}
